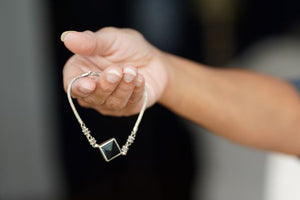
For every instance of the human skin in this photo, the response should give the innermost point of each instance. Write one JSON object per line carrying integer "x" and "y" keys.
{"x": 245, "y": 107}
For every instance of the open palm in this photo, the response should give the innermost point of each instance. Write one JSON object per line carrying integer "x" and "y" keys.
{"x": 116, "y": 50}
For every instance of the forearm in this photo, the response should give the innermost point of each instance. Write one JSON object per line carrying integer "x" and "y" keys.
{"x": 245, "y": 107}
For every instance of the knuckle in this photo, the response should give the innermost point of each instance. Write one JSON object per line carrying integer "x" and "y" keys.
{"x": 89, "y": 101}
{"x": 101, "y": 101}
{"x": 114, "y": 104}
{"x": 89, "y": 32}
{"x": 134, "y": 100}
{"x": 107, "y": 88}
{"x": 126, "y": 87}
{"x": 132, "y": 31}
{"x": 83, "y": 103}
{"x": 109, "y": 29}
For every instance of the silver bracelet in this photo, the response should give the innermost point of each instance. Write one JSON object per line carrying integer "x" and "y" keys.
{"x": 109, "y": 149}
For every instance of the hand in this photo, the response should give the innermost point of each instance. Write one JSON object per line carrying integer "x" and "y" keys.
{"x": 126, "y": 61}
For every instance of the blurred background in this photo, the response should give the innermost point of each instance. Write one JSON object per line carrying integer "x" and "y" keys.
{"x": 43, "y": 154}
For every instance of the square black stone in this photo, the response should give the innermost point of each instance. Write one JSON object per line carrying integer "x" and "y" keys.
{"x": 110, "y": 149}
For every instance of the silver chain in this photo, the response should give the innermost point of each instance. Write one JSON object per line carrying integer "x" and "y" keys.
{"x": 86, "y": 131}
{"x": 89, "y": 137}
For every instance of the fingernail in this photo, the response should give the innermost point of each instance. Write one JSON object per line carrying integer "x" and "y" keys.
{"x": 113, "y": 76}
{"x": 86, "y": 87}
{"x": 63, "y": 35}
{"x": 129, "y": 74}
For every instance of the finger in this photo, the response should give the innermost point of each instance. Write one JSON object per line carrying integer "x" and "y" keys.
{"x": 138, "y": 92}
{"x": 91, "y": 43}
{"x": 119, "y": 98}
{"x": 83, "y": 87}
{"x": 107, "y": 83}
{"x": 82, "y": 43}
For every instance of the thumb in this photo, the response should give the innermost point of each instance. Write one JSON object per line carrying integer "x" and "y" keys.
{"x": 82, "y": 43}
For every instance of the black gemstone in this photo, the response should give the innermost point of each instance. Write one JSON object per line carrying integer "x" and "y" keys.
{"x": 110, "y": 149}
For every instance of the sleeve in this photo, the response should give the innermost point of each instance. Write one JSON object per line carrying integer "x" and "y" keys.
{"x": 296, "y": 83}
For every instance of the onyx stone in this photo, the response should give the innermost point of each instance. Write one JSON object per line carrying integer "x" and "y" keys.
{"x": 110, "y": 149}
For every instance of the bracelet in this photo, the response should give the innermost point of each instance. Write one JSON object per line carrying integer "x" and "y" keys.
{"x": 109, "y": 149}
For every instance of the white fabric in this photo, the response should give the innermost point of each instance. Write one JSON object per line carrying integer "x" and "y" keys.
{"x": 282, "y": 178}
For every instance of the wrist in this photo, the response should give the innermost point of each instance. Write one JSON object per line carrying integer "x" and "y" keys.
{"x": 185, "y": 79}
{"x": 174, "y": 74}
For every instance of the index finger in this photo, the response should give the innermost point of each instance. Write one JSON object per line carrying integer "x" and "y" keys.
{"x": 81, "y": 87}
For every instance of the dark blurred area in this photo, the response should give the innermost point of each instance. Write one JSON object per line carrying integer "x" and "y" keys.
{"x": 163, "y": 162}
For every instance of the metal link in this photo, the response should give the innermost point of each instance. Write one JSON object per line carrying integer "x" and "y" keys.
{"x": 90, "y": 138}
